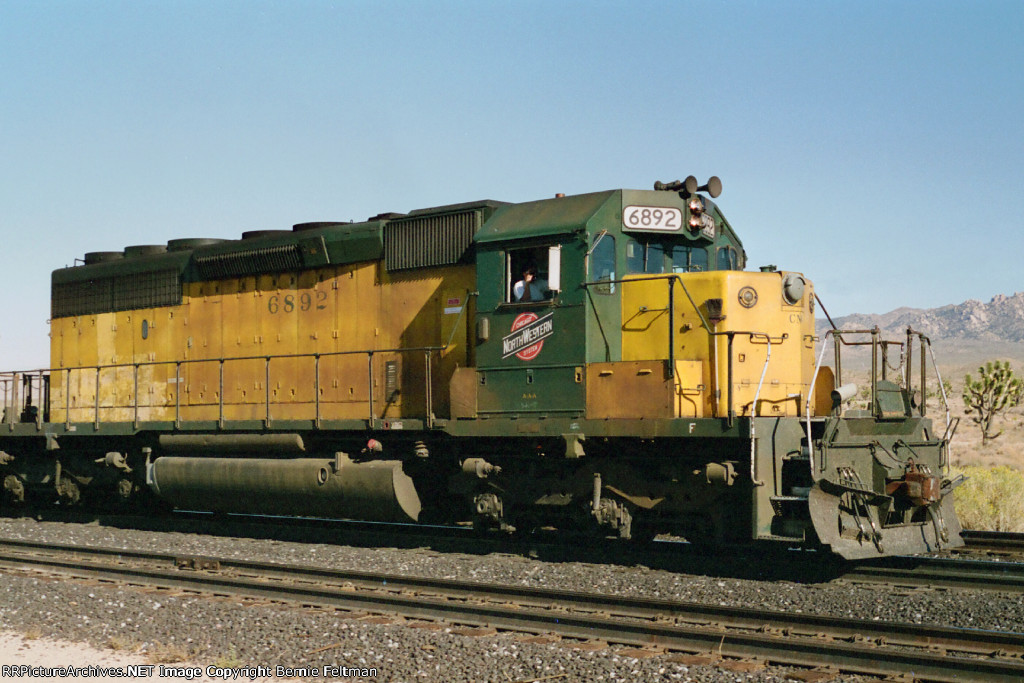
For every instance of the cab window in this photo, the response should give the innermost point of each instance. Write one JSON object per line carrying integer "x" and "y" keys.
{"x": 728, "y": 259}
{"x": 532, "y": 274}
{"x": 689, "y": 259}
{"x": 602, "y": 262}
{"x": 645, "y": 257}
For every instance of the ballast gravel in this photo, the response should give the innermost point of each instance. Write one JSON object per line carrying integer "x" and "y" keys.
{"x": 238, "y": 633}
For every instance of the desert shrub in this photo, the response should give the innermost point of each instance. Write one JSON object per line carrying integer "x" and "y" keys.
{"x": 123, "y": 643}
{"x": 992, "y": 499}
{"x": 995, "y": 390}
{"x": 159, "y": 653}
{"x": 228, "y": 661}
{"x": 933, "y": 390}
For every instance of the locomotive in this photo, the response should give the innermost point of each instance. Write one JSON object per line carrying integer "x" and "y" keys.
{"x": 601, "y": 364}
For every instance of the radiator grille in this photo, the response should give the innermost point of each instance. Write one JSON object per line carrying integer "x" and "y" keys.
{"x": 422, "y": 242}
{"x": 127, "y": 292}
{"x": 249, "y": 262}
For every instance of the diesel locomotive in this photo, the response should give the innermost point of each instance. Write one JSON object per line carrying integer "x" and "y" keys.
{"x": 600, "y": 364}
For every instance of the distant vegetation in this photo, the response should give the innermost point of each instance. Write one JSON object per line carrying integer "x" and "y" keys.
{"x": 992, "y": 499}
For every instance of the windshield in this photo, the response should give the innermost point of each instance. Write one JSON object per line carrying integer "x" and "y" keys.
{"x": 689, "y": 259}
{"x": 645, "y": 257}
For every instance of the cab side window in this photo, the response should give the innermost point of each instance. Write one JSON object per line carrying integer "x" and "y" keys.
{"x": 602, "y": 262}
{"x": 728, "y": 259}
{"x": 532, "y": 274}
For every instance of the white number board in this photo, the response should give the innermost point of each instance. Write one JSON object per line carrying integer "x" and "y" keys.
{"x": 652, "y": 218}
{"x": 707, "y": 226}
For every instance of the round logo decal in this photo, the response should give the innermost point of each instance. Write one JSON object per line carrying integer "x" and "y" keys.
{"x": 527, "y": 335}
{"x": 530, "y": 352}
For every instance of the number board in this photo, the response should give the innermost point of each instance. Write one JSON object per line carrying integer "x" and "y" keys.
{"x": 660, "y": 218}
{"x": 707, "y": 226}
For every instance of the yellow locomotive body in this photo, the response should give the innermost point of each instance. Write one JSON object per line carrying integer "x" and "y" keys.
{"x": 207, "y": 358}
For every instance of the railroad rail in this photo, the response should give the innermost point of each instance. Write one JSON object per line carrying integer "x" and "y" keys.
{"x": 994, "y": 540}
{"x": 939, "y": 572}
{"x": 930, "y": 653}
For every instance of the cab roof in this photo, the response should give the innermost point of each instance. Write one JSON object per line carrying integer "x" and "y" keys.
{"x": 557, "y": 216}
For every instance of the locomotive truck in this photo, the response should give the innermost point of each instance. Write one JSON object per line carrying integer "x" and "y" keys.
{"x": 391, "y": 370}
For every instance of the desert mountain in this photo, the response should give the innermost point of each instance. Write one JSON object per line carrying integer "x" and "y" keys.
{"x": 961, "y": 333}
{"x": 1000, "y": 320}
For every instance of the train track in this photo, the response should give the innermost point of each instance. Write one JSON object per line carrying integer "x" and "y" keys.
{"x": 968, "y": 571}
{"x": 930, "y": 653}
{"x": 355, "y": 530}
{"x": 942, "y": 573}
{"x": 994, "y": 541}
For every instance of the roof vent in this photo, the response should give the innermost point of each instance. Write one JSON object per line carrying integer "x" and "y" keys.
{"x": 145, "y": 250}
{"x": 102, "y": 257}
{"x": 192, "y": 243}
{"x": 316, "y": 225}
{"x": 253, "y": 234}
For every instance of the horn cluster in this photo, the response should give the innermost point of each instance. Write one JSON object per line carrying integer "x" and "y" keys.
{"x": 689, "y": 186}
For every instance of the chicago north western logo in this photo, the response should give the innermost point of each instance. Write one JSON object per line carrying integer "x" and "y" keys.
{"x": 528, "y": 335}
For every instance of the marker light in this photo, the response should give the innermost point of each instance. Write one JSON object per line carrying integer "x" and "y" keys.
{"x": 696, "y": 207}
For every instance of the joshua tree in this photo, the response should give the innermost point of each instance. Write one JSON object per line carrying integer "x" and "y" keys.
{"x": 995, "y": 390}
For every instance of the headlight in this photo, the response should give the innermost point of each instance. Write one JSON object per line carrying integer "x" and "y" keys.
{"x": 748, "y": 297}
{"x": 793, "y": 288}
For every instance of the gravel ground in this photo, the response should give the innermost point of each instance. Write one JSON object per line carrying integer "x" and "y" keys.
{"x": 238, "y": 633}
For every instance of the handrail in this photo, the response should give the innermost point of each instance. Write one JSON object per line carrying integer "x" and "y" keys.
{"x": 9, "y": 380}
{"x": 838, "y": 339}
{"x": 16, "y": 405}
{"x": 938, "y": 377}
{"x": 111, "y": 366}
{"x": 810, "y": 393}
{"x": 753, "y": 412}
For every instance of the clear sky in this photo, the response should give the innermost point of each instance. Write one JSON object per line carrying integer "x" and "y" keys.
{"x": 877, "y": 147}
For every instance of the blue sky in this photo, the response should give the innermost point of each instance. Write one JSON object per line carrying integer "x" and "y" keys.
{"x": 877, "y": 147}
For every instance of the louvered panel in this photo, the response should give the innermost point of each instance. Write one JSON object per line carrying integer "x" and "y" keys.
{"x": 428, "y": 241}
{"x": 127, "y": 292}
{"x": 249, "y": 262}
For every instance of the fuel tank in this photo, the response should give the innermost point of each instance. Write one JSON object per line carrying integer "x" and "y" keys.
{"x": 376, "y": 490}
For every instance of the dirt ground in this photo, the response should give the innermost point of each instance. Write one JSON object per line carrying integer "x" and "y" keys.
{"x": 17, "y": 650}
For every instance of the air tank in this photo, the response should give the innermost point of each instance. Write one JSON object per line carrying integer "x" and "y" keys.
{"x": 376, "y": 490}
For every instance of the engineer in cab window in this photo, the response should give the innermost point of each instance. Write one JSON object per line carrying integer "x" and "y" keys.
{"x": 531, "y": 287}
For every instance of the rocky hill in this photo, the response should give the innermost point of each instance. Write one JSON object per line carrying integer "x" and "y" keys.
{"x": 965, "y": 333}
{"x": 1000, "y": 320}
